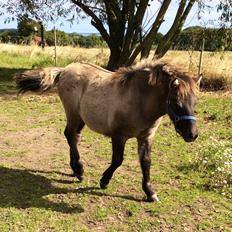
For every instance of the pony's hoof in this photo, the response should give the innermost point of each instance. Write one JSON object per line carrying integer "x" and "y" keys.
{"x": 153, "y": 198}
{"x": 78, "y": 176}
{"x": 103, "y": 185}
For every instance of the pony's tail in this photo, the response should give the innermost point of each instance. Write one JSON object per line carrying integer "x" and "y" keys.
{"x": 37, "y": 79}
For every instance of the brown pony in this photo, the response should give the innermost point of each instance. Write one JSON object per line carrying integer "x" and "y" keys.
{"x": 123, "y": 104}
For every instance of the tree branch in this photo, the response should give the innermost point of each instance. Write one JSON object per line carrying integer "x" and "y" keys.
{"x": 154, "y": 29}
{"x": 130, "y": 26}
{"x": 180, "y": 18}
{"x": 96, "y": 22}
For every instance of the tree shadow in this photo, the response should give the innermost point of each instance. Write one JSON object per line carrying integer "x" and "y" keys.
{"x": 7, "y": 84}
{"x": 23, "y": 189}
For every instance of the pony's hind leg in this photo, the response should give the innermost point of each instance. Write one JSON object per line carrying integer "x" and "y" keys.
{"x": 118, "y": 145}
{"x": 72, "y": 134}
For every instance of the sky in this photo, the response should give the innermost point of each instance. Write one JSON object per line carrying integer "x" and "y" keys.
{"x": 208, "y": 19}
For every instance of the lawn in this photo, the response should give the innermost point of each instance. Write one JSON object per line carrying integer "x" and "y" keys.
{"x": 37, "y": 193}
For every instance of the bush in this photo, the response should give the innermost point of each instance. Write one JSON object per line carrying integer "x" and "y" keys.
{"x": 62, "y": 38}
{"x": 88, "y": 41}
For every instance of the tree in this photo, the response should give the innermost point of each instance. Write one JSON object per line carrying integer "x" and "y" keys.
{"x": 121, "y": 23}
{"x": 27, "y": 26}
{"x": 225, "y": 6}
{"x": 215, "y": 39}
{"x": 63, "y": 39}
{"x": 126, "y": 37}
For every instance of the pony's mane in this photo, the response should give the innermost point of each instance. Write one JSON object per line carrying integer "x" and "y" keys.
{"x": 157, "y": 68}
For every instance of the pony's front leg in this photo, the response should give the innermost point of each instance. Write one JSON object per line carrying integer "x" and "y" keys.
{"x": 144, "y": 150}
{"x": 118, "y": 145}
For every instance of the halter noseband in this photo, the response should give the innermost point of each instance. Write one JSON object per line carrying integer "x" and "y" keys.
{"x": 175, "y": 117}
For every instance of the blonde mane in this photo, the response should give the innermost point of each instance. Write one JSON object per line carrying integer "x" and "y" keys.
{"x": 159, "y": 70}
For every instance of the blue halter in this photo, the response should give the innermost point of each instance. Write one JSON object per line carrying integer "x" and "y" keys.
{"x": 176, "y": 118}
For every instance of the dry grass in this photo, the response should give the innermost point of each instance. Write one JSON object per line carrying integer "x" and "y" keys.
{"x": 217, "y": 66}
{"x": 38, "y": 194}
{"x": 216, "y": 69}
{"x": 73, "y": 54}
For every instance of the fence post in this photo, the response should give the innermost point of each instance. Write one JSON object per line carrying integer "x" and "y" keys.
{"x": 42, "y": 34}
{"x": 55, "y": 54}
{"x": 201, "y": 56}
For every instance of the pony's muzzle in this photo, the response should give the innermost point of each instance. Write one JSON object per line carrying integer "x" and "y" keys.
{"x": 188, "y": 130}
{"x": 191, "y": 137}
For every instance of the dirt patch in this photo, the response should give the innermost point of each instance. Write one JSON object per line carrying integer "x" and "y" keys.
{"x": 34, "y": 147}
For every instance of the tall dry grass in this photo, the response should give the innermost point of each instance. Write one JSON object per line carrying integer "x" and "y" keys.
{"x": 217, "y": 66}
{"x": 65, "y": 55}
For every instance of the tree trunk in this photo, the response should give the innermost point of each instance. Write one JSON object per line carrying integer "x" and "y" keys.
{"x": 114, "y": 59}
{"x": 125, "y": 20}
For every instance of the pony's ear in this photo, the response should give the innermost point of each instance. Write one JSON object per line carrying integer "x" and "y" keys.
{"x": 198, "y": 79}
{"x": 174, "y": 83}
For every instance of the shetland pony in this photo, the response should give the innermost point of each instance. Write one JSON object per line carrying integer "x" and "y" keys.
{"x": 123, "y": 104}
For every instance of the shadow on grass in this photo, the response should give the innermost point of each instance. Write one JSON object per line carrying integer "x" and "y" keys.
{"x": 94, "y": 191}
{"x": 23, "y": 189}
{"x": 7, "y": 84}
{"x": 29, "y": 188}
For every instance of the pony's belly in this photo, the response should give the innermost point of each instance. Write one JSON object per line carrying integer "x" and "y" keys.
{"x": 98, "y": 126}
{"x": 96, "y": 119}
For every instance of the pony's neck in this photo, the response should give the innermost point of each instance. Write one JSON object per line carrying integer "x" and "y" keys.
{"x": 163, "y": 92}
{"x": 154, "y": 98}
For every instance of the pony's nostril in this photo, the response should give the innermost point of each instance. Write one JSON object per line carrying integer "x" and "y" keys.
{"x": 193, "y": 136}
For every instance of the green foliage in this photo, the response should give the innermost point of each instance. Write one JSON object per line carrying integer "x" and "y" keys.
{"x": 157, "y": 38}
{"x": 27, "y": 26}
{"x": 215, "y": 39}
{"x": 88, "y": 41}
{"x": 63, "y": 38}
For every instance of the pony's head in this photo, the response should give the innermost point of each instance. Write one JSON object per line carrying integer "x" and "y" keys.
{"x": 180, "y": 105}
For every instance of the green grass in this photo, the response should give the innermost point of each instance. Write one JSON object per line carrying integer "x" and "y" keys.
{"x": 38, "y": 194}
{"x": 15, "y": 62}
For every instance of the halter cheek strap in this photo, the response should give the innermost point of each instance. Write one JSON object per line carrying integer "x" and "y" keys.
{"x": 176, "y": 117}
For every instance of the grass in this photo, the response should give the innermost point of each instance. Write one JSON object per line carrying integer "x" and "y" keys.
{"x": 38, "y": 194}
{"x": 216, "y": 65}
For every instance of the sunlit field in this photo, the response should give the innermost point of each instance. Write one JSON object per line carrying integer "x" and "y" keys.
{"x": 216, "y": 65}
{"x": 37, "y": 192}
